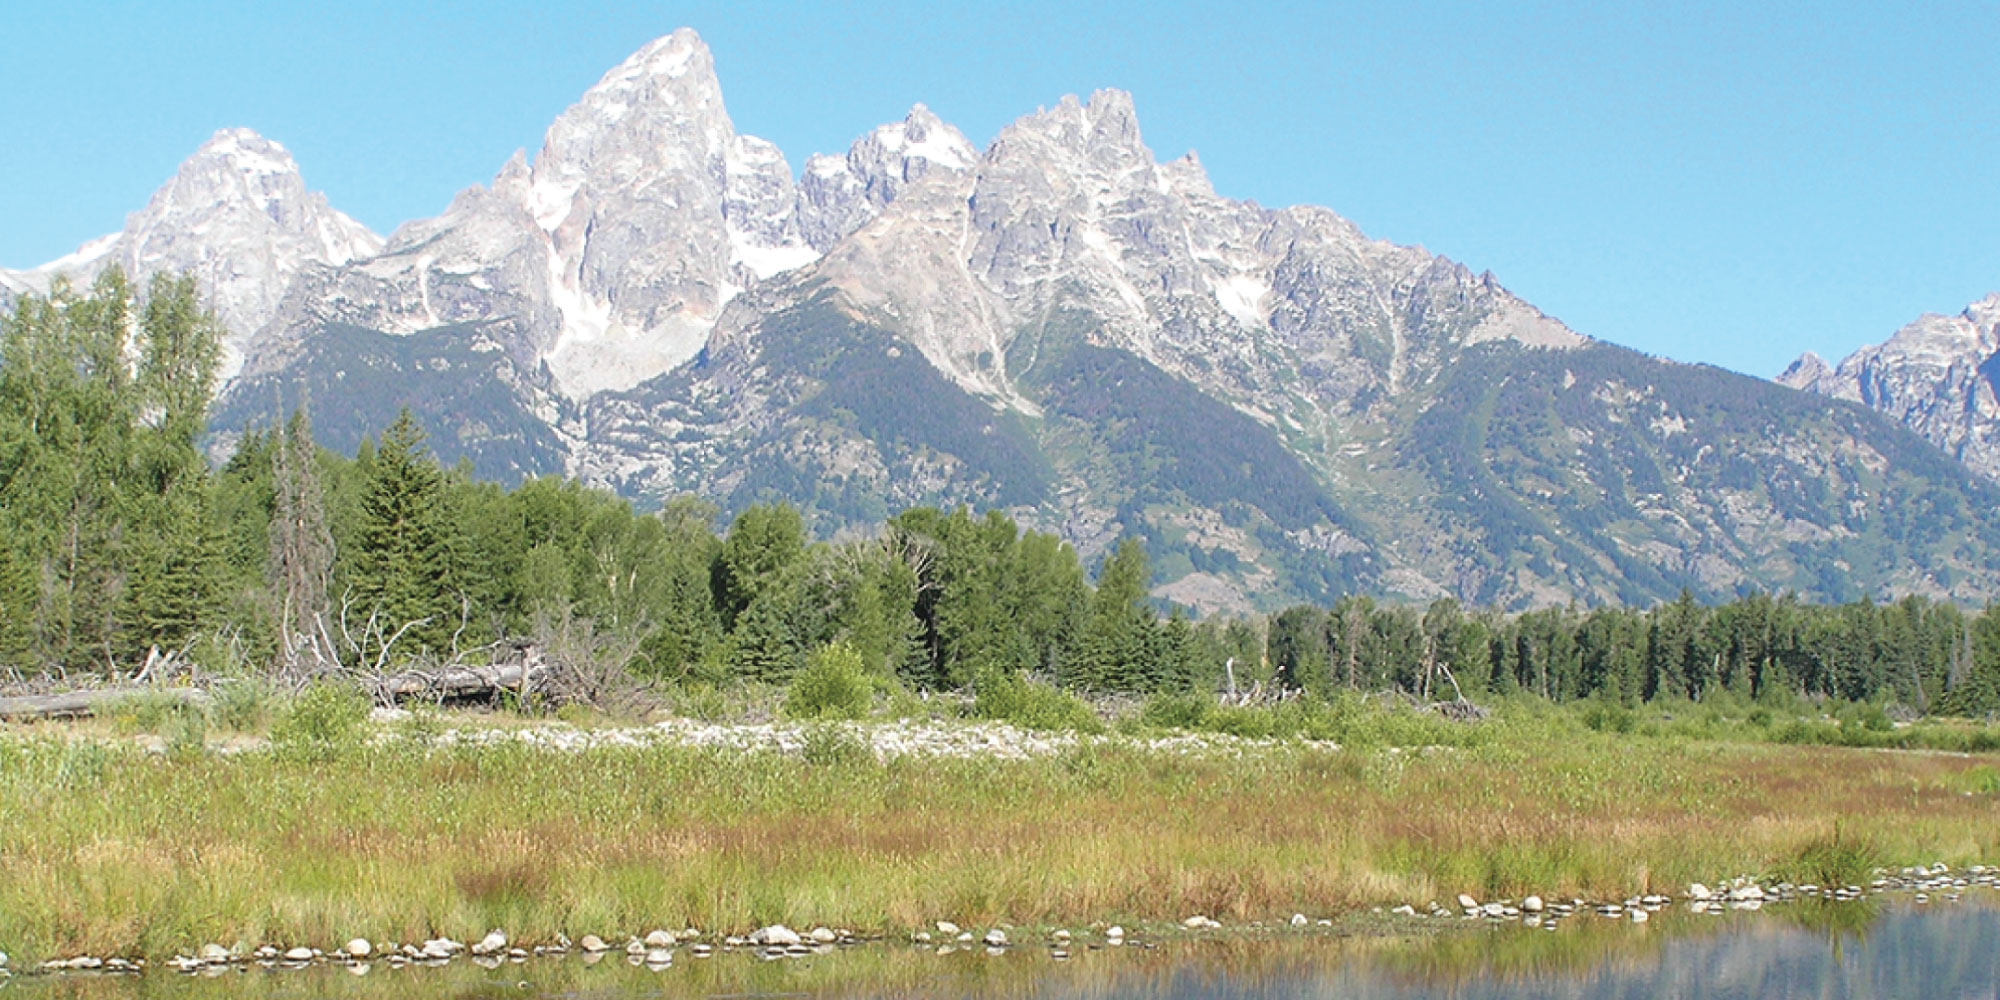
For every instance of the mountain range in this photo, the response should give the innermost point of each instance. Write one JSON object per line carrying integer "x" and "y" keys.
{"x": 1065, "y": 327}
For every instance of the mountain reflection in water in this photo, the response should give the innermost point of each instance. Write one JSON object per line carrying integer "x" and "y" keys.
{"x": 1830, "y": 952}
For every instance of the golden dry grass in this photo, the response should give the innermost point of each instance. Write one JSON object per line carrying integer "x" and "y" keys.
{"x": 110, "y": 850}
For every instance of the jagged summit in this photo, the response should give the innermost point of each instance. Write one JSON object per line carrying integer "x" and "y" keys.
{"x": 238, "y": 216}
{"x": 1939, "y": 375}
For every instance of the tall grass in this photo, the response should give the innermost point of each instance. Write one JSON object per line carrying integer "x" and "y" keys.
{"x": 111, "y": 849}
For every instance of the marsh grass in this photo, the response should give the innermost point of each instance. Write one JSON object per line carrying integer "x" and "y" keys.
{"x": 111, "y": 849}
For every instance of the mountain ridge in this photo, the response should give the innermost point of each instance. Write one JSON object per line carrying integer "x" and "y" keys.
{"x": 1064, "y": 327}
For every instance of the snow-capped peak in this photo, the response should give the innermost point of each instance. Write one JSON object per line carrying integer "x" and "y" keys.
{"x": 921, "y": 135}
{"x": 669, "y": 56}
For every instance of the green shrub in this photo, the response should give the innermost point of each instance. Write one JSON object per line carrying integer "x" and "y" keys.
{"x": 322, "y": 723}
{"x": 241, "y": 704}
{"x": 1006, "y": 696}
{"x": 834, "y": 745}
{"x": 833, "y": 685}
{"x": 1178, "y": 711}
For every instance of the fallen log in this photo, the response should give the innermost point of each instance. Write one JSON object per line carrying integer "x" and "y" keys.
{"x": 74, "y": 704}
{"x": 456, "y": 682}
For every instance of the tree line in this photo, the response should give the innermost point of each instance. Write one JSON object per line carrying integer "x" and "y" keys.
{"x": 119, "y": 541}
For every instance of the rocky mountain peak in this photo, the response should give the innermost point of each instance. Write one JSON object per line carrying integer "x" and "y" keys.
{"x": 238, "y": 216}
{"x": 1938, "y": 376}
{"x": 1809, "y": 373}
{"x": 838, "y": 195}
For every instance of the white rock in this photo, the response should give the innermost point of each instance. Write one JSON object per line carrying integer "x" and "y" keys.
{"x": 823, "y": 935}
{"x": 493, "y": 943}
{"x": 777, "y": 935}
{"x": 1115, "y": 934}
{"x": 660, "y": 939}
{"x": 947, "y": 928}
{"x": 358, "y": 948}
{"x": 1299, "y": 919}
{"x": 1532, "y": 904}
{"x": 299, "y": 955}
{"x": 995, "y": 938}
{"x": 1699, "y": 891}
{"x": 213, "y": 953}
{"x": 1466, "y": 902}
{"x": 593, "y": 943}
{"x": 1405, "y": 910}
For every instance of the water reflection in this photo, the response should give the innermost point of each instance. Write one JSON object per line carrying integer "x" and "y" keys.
{"x": 1796, "y": 952}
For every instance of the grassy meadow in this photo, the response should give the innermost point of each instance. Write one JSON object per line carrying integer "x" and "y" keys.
{"x": 334, "y": 828}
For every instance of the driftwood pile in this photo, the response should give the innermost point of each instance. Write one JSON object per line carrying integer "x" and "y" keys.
{"x": 445, "y": 684}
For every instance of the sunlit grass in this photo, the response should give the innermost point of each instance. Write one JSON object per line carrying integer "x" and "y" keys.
{"x": 110, "y": 849}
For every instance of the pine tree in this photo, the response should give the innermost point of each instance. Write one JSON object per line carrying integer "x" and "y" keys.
{"x": 404, "y": 578}
{"x": 1120, "y": 649}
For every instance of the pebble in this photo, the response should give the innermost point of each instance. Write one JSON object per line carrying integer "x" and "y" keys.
{"x": 660, "y": 939}
{"x": 592, "y": 942}
{"x": 299, "y": 955}
{"x": 493, "y": 943}
{"x": 1466, "y": 902}
{"x": 995, "y": 938}
{"x": 212, "y": 953}
{"x": 823, "y": 935}
{"x": 947, "y": 928}
{"x": 1532, "y": 904}
{"x": 359, "y": 948}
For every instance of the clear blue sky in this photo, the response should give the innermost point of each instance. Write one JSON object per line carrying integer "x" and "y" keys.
{"x": 1729, "y": 183}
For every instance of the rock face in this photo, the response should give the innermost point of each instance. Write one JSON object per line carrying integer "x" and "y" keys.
{"x": 1059, "y": 325}
{"x": 1938, "y": 376}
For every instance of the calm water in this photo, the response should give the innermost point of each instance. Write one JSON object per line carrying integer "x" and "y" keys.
{"x": 1825, "y": 952}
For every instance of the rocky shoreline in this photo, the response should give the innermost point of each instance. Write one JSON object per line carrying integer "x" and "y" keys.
{"x": 658, "y": 949}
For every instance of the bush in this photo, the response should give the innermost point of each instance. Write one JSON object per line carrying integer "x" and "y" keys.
{"x": 834, "y": 745}
{"x": 833, "y": 685}
{"x": 241, "y": 704}
{"x": 321, "y": 724}
{"x": 1178, "y": 711}
{"x": 1006, "y": 696}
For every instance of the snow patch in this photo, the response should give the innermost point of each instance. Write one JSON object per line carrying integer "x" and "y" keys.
{"x": 765, "y": 261}
{"x": 1243, "y": 296}
{"x": 81, "y": 257}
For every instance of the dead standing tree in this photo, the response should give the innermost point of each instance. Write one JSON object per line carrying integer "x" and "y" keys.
{"x": 301, "y": 555}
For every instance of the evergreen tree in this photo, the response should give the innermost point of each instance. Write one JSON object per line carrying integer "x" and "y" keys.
{"x": 1119, "y": 648}
{"x": 404, "y": 572}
